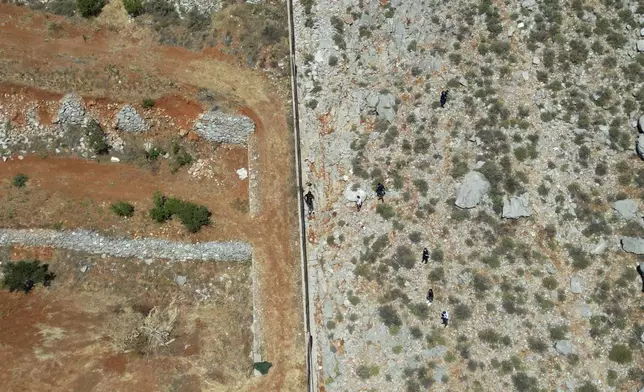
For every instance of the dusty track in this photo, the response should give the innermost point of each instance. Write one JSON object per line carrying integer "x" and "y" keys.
{"x": 31, "y": 56}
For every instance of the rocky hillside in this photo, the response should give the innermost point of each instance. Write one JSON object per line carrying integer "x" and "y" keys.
{"x": 525, "y": 188}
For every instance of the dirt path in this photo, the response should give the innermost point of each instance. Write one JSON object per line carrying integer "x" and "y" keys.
{"x": 70, "y": 62}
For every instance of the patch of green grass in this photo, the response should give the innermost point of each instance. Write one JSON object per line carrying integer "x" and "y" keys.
{"x": 122, "y": 208}
{"x": 20, "y": 180}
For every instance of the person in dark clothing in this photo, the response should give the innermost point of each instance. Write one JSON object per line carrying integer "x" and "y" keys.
{"x": 380, "y": 191}
{"x": 445, "y": 318}
{"x": 444, "y": 98}
{"x": 430, "y": 297}
{"x": 641, "y": 272}
{"x": 425, "y": 255}
{"x": 308, "y": 199}
{"x": 359, "y": 203}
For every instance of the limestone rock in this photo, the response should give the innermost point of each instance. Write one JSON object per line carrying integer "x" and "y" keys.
{"x": 517, "y": 207}
{"x": 352, "y": 195}
{"x": 633, "y": 245}
{"x": 180, "y": 280}
{"x": 627, "y": 208}
{"x": 575, "y": 285}
{"x": 385, "y": 107}
{"x": 563, "y": 347}
{"x": 640, "y": 145}
{"x": 641, "y": 123}
{"x": 640, "y": 45}
{"x": 472, "y": 189}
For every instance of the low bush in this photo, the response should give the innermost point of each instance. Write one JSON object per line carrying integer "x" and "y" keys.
{"x": 389, "y": 316}
{"x": 20, "y": 180}
{"x": 89, "y": 8}
{"x": 386, "y": 211}
{"x": 122, "y": 208}
{"x": 193, "y": 216}
{"x": 621, "y": 354}
{"x": 147, "y": 102}
{"x": 25, "y": 274}
{"x": 96, "y": 138}
{"x": 134, "y": 8}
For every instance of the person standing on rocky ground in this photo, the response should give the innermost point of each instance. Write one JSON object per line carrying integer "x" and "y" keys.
{"x": 641, "y": 272}
{"x": 445, "y": 318}
{"x": 425, "y": 255}
{"x": 358, "y": 203}
{"x": 308, "y": 199}
{"x": 380, "y": 192}
{"x": 444, "y": 98}
{"x": 430, "y": 297}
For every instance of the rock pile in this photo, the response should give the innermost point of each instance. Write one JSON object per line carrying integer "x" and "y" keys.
{"x": 90, "y": 242}
{"x": 220, "y": 127}
{"x": 129, "y": 120}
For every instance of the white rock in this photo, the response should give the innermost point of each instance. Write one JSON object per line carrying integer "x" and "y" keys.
{"x": 536, "y": 60}
{"x": 180, "y": 280}
{"x": 640, "y": 45}
{"x": 471, "y": 190}
{"x": 115, "y": 159}
{"x": 352, "y": 195}
{"x": 20, "y": 157}
{"x": 242, "y": 173}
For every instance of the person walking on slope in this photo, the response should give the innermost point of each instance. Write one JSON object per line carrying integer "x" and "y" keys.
{"x": 445, "y": 318}
{"x": 444, "y": 98}
{"x": 380, "y": 192}
{"x": 358, "y": 203}
{"x": 308, "y": 199}
{"x": 430, "y": 297}
{"x": 425, "y": 255}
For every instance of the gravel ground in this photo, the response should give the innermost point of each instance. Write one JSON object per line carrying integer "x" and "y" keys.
{"x": 87, "y": 241}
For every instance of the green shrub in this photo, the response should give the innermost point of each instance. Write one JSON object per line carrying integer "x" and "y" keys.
{"x": 365, "y": 372}
{"x": 89, "y": 8}
{"x": 389, "y": 316}
{"x": 537, "y": 345}
{"x": 134, "y": 8}
{"x": 96, "y": 138}
{"x": 20, "y": 180}
{"x": 122, "y": 208}
{"x": 333, "y": 61}
{"x": 558, "y": 332}
{"x": 549, "y": 282}
{"x": 421, "y": 186}
{"x": 386, "y": 211}
{"x": 62, "y": 7}
{"x": 262, "y": 367}
{"x": 147, "y": 102}
{"x": 621, "y": 354}
{"x": 587, "y": 387}
{"x": 193, "y": 216}
{"x": 524, "y": 383}
{"x": 24, "y": 274}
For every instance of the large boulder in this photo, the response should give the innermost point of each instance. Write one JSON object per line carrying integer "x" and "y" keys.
{"x": 352, "y": 195}
{"x": 633, "y": 245}
{"x": 640, "y": 145}
{"x": 385, "y": 107}
{"x": 563, "y": 347}
{"x": 128, "y": 120}
{"x": 627, "y": 208}
{"x": 472, "y": 189}
{"x": 575, "y": 285}
{"x": 640, "y": 122}
{"x": 517, "y": 207}
{"x": 640, "y": 45}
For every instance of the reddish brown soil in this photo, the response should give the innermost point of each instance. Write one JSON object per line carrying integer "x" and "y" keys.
{"x": 111, "y": 66}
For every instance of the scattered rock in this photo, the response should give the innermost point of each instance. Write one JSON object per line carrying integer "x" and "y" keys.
{"x": 585, "y": 311}
{"x": 575, "y": 285}
{"x": 115, "y": 160}
{"x": 129, "y": 120}
{"x": 536, "y": 60}
{"x": 627, "y": 208}
{"x": 224, "y": 128}
{"x": 641, "y": 123}
{"x": 633, "y": 245}
{"x": 242, "y": 173}
{"x": 517, "y": 207}
{"x": 180, "y": 280}
{"x": 84, "y": 268}
{"x": 563, "y": 347}
{"x": 472, "y": 189}
{"x": 642, "y": 337}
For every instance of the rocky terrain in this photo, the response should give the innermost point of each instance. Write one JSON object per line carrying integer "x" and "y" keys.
{"x": 525, "y": 187}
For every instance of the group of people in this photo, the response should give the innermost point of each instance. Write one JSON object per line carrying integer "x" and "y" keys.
{"x": 380, "y": 193}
